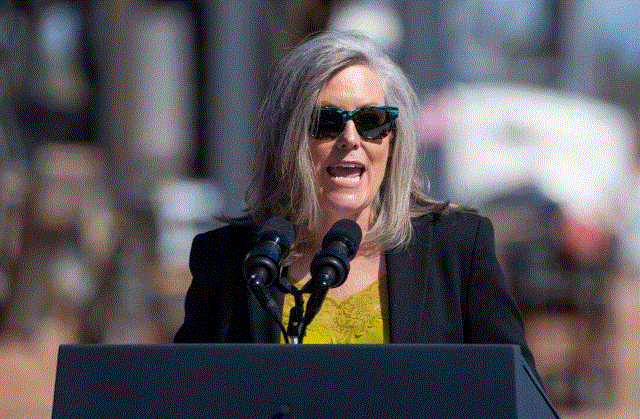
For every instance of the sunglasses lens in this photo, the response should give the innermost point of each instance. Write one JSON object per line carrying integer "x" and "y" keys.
{"x": 328, "y": 124}
{"x": 373, "y": 123}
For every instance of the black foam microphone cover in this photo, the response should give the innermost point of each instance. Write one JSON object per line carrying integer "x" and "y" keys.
{"x": 339, "y": 246}
{"x": 272, "y": 246}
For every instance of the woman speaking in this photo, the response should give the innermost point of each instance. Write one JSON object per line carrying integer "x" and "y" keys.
{"x": 337, "y": 139}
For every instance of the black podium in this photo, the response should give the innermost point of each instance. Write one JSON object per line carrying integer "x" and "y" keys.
{"x": 296, "y": 381}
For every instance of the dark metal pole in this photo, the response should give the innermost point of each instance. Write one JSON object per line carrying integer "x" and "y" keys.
{"x": 237, "y": 67}
{"x": 423, "y": 54}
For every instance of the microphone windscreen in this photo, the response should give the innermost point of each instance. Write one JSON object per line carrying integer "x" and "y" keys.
{"x": 278, "y": 229}
{"x": 341, "y": 229}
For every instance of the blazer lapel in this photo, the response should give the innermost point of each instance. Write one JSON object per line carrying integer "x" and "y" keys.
{"x": 407, "y": 284}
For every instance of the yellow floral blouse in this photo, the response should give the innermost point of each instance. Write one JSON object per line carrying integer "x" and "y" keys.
{"x": 361, "y": 318}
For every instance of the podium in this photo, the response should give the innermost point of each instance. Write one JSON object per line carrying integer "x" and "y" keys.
{"x": 296, "y": 381}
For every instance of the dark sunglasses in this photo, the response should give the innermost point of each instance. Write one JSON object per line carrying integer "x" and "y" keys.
{"x": 372, "y": 122}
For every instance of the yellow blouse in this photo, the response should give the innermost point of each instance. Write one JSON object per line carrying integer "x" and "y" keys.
{"x": 361, "y": 318}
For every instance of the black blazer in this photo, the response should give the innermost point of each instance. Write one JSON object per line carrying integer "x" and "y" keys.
{"x": 445, "y": 287}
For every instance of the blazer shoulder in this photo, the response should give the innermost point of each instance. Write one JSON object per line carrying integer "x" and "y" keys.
{"x": 228, "y": 234}
{"x": 227, "y": 241}
{"x": 452, "y": 219}
{"x": 456, "y": 228}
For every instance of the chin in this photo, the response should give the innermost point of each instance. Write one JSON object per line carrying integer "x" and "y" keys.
{"x": 348, "y": 206}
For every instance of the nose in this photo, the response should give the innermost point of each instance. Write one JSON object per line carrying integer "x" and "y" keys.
{"x": 350, "y": 137}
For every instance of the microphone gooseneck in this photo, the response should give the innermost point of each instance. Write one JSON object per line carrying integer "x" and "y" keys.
{"x": 261, "y": 266}
{"x": 330, "y": 266}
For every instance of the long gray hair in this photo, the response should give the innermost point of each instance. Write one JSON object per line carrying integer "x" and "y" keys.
{"x": 283, "y": 182}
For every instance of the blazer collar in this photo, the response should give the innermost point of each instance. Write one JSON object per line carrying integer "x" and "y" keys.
{"x": 407, "y": 282}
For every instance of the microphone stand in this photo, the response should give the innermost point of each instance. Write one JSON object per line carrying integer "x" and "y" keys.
{"x": 265, "y": 299}
{"x": 299, "y": 317}
{"x": 319, "y": 289}
{"x": 329, "y": 268}
{"x": 318, "y": 286}
{"x": 294, "y": 331}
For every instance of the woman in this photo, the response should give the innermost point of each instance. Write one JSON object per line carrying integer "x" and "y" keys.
{"x": 337, "y": 138}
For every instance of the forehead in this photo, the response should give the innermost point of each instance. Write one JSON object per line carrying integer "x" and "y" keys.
{"x": 355, "y": 85}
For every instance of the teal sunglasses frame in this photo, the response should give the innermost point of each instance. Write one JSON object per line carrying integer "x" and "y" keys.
{"x": 374, "y": 133}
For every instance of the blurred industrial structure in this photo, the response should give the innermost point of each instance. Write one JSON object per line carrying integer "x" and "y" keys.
{"x": 126, "y": 127}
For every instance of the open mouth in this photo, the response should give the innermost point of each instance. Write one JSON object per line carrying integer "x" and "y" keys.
{"x": 346, "y": 170}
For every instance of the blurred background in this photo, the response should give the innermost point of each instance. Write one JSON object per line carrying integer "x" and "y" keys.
{"x": 125, "y": 127}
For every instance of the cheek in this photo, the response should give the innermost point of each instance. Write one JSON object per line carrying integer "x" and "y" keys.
{"x": 381, "y": 160}
{"x": 318, "y": 155}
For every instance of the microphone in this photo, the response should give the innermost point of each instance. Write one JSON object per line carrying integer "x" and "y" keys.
{"x": 261, "y": 266}
{"x": 330, "y": 266}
